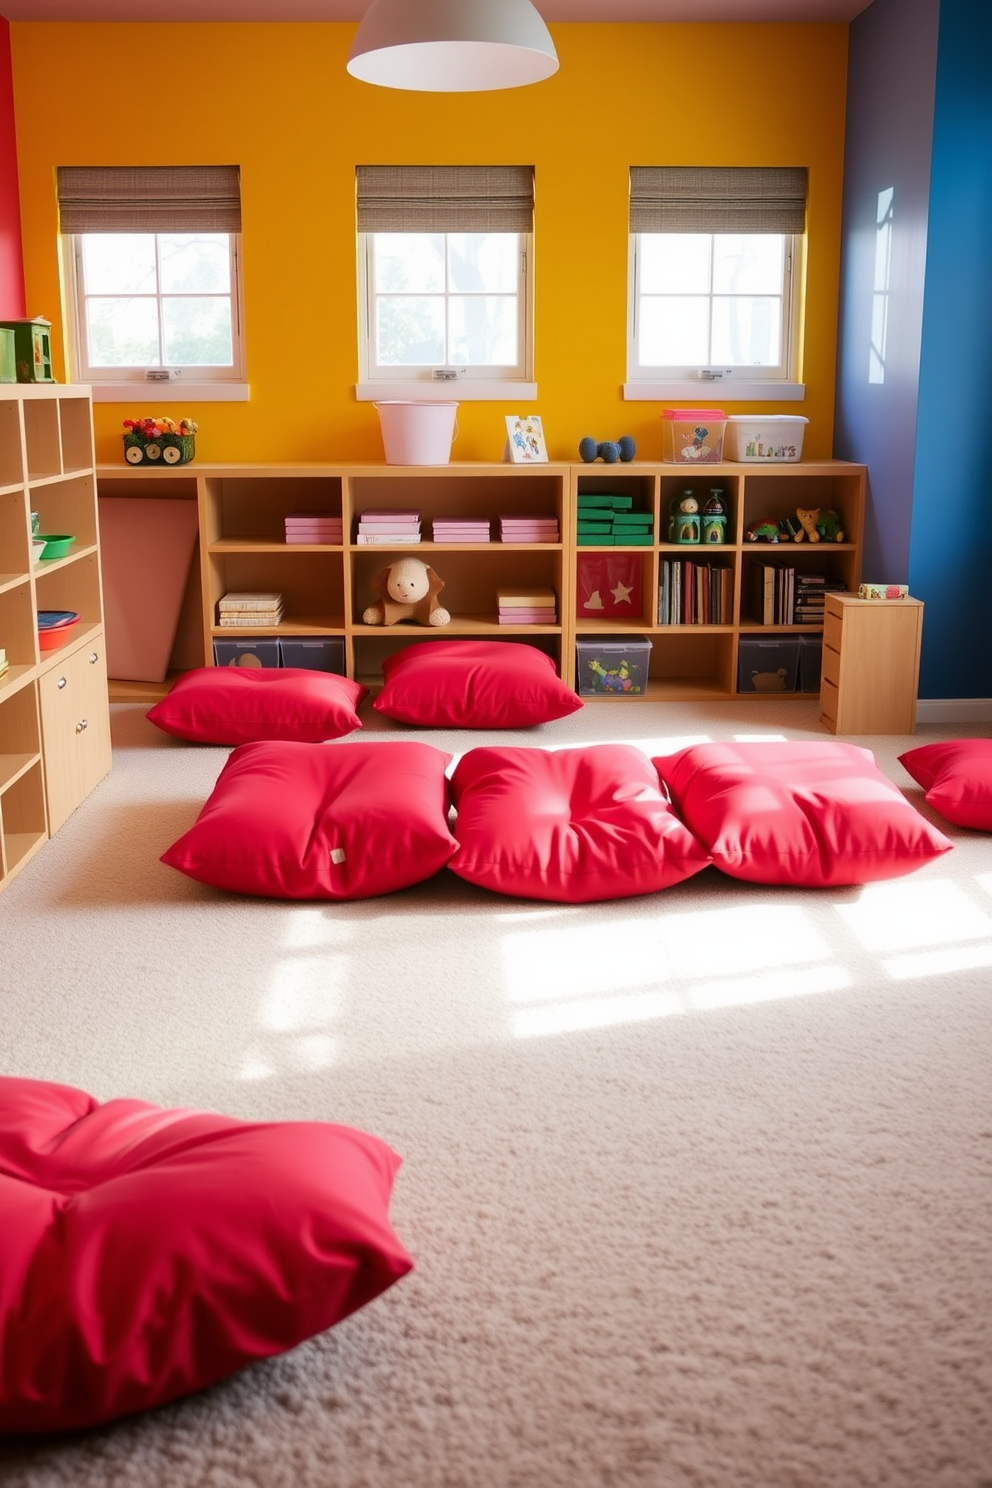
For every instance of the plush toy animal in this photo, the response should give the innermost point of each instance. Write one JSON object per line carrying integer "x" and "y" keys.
{"x": 818, "y": 526}
{"x": 609, "y": 450}
{"x": 408, "y": 590}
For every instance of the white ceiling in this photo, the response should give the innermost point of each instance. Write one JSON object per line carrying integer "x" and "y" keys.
{"x": 353, "y": 10}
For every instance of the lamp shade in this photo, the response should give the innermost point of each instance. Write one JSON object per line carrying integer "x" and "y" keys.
{"x": 452, "y": 46}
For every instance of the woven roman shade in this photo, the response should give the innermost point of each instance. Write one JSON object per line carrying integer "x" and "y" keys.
{"x": 149, "y": 198}
{"x": 717, "y": 199}
{"x": 445, "y": 198}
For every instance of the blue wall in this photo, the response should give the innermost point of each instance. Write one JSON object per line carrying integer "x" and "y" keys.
{"x": 914, "y": 409}
{"x": 950, "y": 561}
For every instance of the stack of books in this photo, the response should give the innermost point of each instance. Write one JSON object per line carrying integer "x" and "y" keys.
{"x": 536, "y": 606}
{"x": 388, "y": 526}
{"x": 241, "y": 611}
{"x": 535, "y": 529}
{"x": 461, "y": 529}
{"x": 784, "y": 595}
{"x": 691, "y": 593}
{"x": 314, "y": 527}
{"x": 810, "y": 590}
{"x": 607, "y": 521}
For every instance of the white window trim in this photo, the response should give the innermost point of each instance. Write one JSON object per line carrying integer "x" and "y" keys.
{"x": 737, "y": 387}
{"x": 480, "y": 384}
{"x": 228, "y": 385}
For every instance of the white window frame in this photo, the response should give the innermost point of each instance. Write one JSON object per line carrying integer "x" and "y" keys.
{"x": 111, "y": 384}
{"x": 726, "y": 383}
{"x": 441, "y": 382}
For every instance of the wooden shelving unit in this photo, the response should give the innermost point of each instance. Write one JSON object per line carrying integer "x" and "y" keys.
{"x": 52, "y": 753}
{"x": 242, "y": 510}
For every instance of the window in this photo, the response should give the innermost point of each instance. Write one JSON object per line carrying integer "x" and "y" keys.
{"x": 444, "y": 255}
{"x": 715, "y": 270}
{"x": 152, "y": 267}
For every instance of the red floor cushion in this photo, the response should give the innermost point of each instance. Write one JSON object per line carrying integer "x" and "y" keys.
{"x": 818, "y": 814}
{"x": 321, "y": 821}
{"x": 473, "y": 685}
{"x": 957, "y": 779}
{"x": 238, "y": 705}
{"x": 145, "y": 1252}
{"x": 570, "y": 825}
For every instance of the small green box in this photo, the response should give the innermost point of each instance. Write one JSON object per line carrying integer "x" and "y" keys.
{"x": 8, "y": 355}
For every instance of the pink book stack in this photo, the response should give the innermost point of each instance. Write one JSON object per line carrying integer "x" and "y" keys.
{"x": 388, "y": 526}
{"x": 532, "y": 529}
{"x": 461, "y": 529}
{"x": 537, "y": 606}
{"x": 314, "y": 527}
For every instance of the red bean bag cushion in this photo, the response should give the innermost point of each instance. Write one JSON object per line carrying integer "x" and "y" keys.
{"x": 818, "y": 814}
{"x": 570, "y": 825}
{"x": 237, "y": 705}
{"x": 321, "y": 821}
{"x": 145, "y": 1253}
{"x": 957, "y": 779}
{"x": 473, "y": 685}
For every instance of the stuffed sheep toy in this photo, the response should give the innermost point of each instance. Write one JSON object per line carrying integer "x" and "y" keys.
{"x": 408, "y": 590}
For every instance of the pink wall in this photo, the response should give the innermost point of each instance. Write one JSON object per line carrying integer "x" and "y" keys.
{"x": 11, "y": 260}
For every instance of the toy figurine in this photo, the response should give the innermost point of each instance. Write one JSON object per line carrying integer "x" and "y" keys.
{"x": 683, "y": 519}
{"x": 609, "y": 451}
{"x": 714, "y": 518}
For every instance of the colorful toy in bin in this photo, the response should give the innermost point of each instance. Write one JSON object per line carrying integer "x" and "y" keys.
{"x": 159, "y": 441}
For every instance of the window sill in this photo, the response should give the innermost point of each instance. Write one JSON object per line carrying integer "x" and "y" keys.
{"x": 705, "y": 394}
{"x": 461, "y": 391}
{"x": 169, "y": 392}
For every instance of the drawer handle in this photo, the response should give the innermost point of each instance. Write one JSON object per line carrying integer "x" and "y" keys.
{"x": 94, "y": 658}
{"x": 81, "y": 725}
{"x": 60, "y": 683}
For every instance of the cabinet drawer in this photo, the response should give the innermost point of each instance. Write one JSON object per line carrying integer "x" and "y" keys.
{"x": 829, "y": 703}
{"x": 830, "y": 669}
{"x": 833, "y": 625}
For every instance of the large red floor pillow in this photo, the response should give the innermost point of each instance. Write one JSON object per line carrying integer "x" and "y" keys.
{"x": 569, "y": 825}
{"x": 145, "y": 1253}
{"x": 473, "y": 685}
{"x": 321, "y": 821}
{"x": 817, "y": 814}
{"x": 238, "y": 705}
{"x": 956, "y": 777}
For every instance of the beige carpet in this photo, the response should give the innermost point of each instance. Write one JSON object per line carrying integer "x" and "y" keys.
{"x": 699, "y": 1186}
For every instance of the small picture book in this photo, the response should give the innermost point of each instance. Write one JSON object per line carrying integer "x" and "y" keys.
{"x": 525, "y": 440}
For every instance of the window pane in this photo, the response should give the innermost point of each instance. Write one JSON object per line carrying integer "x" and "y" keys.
{"x": 197, "y": 332}
{"x": 413, "y": 262}
{"x": 748, "y": 263}
{"x": 747, "y": 332}
{"x": 195, "y": 263}
{"x": 483, "y": 331}
{"x": 483, "y": 261}
{"x": 410, "y": 331}
{"x": 675, "y": 263}
{"x": 122, "y": 333}
{"x": 674, "y": 332}
{"x": 119, "y": 263}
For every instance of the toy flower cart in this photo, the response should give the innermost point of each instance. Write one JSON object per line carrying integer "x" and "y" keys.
{"x": 159, "y": 441}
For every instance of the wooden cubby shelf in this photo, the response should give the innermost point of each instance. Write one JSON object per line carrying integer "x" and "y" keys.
{"x": 54, "y": 712}
{"x": 325, "y": 588}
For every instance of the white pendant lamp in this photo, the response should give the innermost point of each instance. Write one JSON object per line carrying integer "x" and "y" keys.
{"x": 452, "y": 46}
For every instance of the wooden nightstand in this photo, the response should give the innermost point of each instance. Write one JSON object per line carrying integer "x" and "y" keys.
{"x": 871, "y": 664}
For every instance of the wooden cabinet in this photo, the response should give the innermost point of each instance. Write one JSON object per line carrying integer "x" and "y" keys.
{"x": 326, "y": 587}
{"x": 75, "y": 724}
{"x": 871, "y": 665}
{"x": 46, "y": 466}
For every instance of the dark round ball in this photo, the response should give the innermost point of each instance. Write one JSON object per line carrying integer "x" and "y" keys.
{"x": 610, "y": 452}
{"x": 628, "y": 448}
{"x": 588, "y": 449}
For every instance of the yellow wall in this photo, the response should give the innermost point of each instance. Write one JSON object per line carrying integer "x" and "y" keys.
{"x": 276, "y": 100}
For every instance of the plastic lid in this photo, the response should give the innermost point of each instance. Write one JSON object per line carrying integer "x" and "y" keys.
{"x": 693, "y": 413}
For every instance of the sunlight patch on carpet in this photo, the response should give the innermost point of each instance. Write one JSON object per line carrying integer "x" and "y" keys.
{"x": 898, "y": 916}
{"x": 939, "y": 963}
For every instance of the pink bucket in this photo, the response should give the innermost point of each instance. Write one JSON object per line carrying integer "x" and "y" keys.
{"x": 417, "y": 433}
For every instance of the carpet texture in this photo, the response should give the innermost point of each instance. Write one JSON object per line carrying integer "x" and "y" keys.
{"x": 698, "y": 1185}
